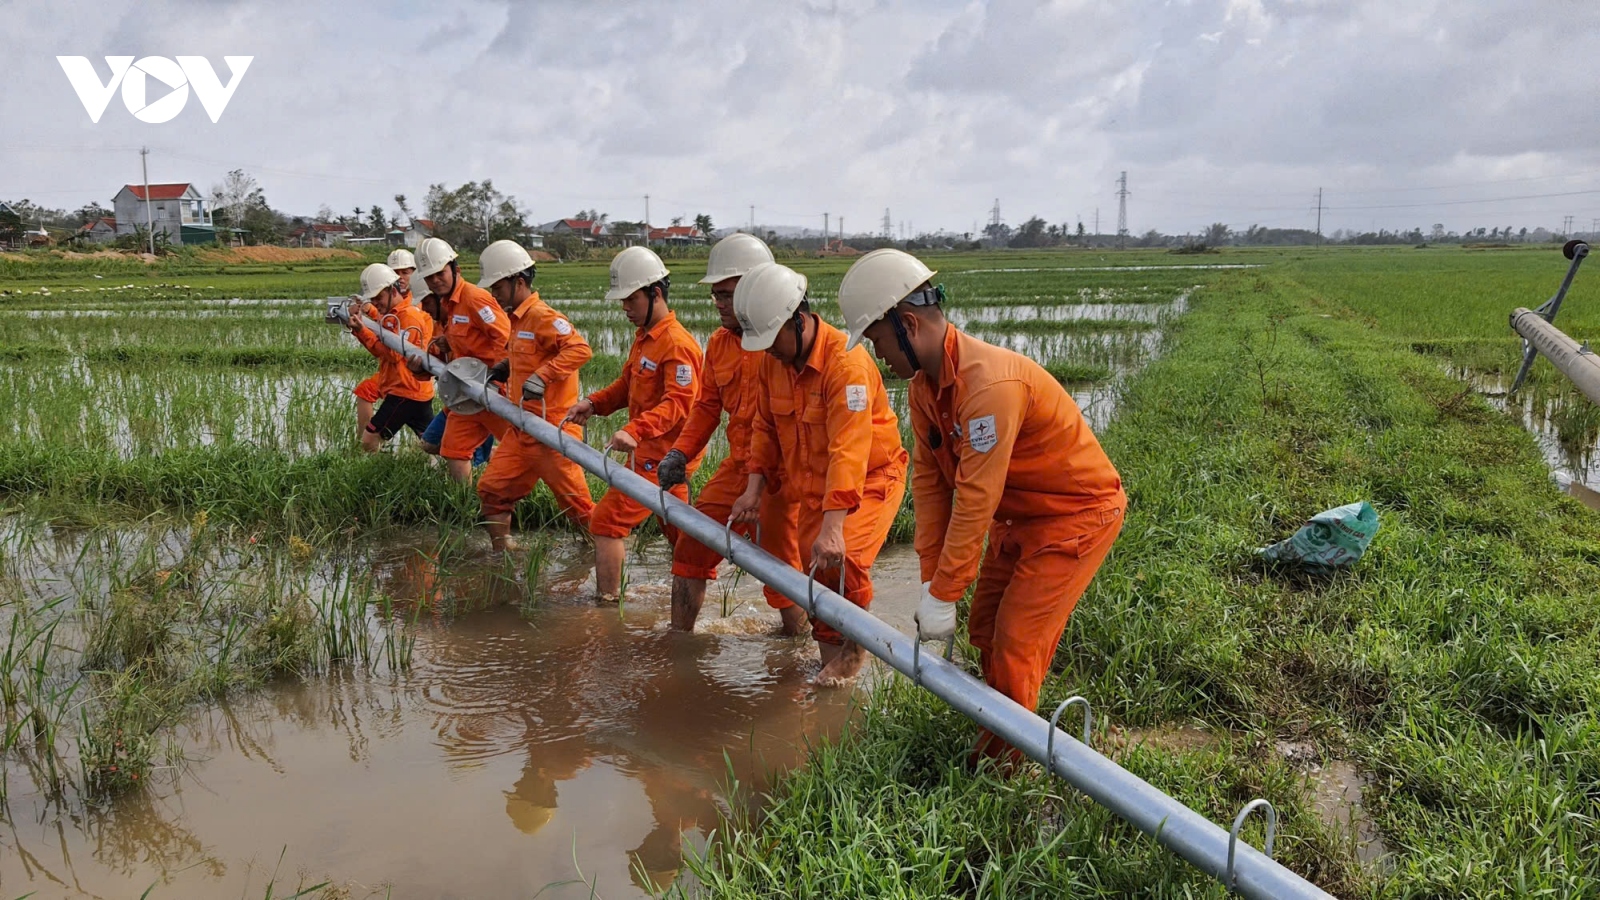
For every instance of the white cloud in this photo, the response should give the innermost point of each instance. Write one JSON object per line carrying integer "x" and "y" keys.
{"x": 1231, "y": 110}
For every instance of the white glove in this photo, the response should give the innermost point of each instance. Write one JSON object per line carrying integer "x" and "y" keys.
{"x": 936, "y": 619}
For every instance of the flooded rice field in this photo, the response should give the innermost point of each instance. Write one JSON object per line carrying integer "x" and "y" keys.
{"x": 206, "y": 716}
{"x": 536, "y": 741}
{"x": 1564, "y": 423}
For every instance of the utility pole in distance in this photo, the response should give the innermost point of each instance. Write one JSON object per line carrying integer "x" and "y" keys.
{"x": 825, "y": 232}
{"x": 647, "y": 218}
{"x": 149, "y": 215}
{"x": 1122, "y": 211}
{"x": 1319, "y": 212}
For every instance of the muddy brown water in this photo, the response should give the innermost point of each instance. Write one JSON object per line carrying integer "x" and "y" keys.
{"x": 568, "y": 748}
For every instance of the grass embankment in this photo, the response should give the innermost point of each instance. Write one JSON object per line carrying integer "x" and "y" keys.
{"x": 1456, "y": 664}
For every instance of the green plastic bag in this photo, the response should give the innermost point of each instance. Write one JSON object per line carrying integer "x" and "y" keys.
{"x": 1333, "y": 538}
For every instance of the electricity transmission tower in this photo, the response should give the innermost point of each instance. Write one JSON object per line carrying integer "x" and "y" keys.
{"x": 888, "y": 225}
{"x": 1122, "y": 211}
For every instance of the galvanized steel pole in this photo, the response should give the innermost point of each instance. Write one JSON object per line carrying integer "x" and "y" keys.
{"x": 1576, "y": 361}
{"x": 1177, "y": 827}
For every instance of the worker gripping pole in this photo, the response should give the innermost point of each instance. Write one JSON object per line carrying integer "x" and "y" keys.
{"x": 1175, "y": 826}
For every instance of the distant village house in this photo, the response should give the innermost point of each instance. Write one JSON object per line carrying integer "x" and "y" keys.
{"x": 178, "y": 210}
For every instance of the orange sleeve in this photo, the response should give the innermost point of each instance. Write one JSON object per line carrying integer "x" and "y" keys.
{"x": 764, "y": 455}
{"x": 849, "y": 424}
{"x": 990, "y": 420}
{"x": 680, "y": 385}
{"x": 381, "y": 351}
{"x": 572, "y": 351}
{"x": 614, "y": 396}
{"x": 492, "y": 323}
{"x": 706, "y": 414}
{"x": 371, "y": 342}
{"x": 930, "y": 494}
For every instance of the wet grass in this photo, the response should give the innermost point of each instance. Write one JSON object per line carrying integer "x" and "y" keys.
{"x": 111, "y": 635}
{"x": 1455, "y": 663}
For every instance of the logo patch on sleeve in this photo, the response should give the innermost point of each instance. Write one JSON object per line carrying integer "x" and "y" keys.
{"x": 647, "y": 364}
{"x": 486, "y": 314}
{"x": 459, "y": 319}
{"x": 981, "y": 434}
{"x": 562, "y": 327}
{"x": 855, "y": 397}
{"x": 685, "y": 375}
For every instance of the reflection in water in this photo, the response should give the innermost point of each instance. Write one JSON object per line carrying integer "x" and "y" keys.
{"x": 1564, "y": 422}
{"x": 539, "y": 742}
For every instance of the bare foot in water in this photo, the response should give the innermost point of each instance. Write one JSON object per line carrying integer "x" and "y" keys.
{"x": 795, "y": 621}
{"x": 842, "y": 665}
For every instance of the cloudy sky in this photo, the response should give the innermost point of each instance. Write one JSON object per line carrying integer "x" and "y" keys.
{"x": 1405, "y": 114}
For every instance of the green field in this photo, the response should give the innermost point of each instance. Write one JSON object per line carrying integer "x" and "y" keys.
{"x": 1454, "y": 671}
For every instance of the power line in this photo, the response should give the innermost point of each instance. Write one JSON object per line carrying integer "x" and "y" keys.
{"x": 1469, "y": 202}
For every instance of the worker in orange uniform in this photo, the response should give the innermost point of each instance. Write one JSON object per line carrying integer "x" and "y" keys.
{"x": 368, "y": 392}
{"x": 407, "y": 401}
{"x": 658, "y": 385}
{"x": 545, "y": 354}
{"x": 729, "y": 382}
{"x": 825, "y": 432}
{"x": 1002, "y": 451}
{"x": 474, "y": 326}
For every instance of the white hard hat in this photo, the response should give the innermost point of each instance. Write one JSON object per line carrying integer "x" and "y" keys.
{"x": 764, "y": 301}
{"x": 433, "y": 254}
{"x": 402, "y": 259}
{"x": 632, "y": 269}
{"x": 375, "y": 278}
{"x": 735, "y": 255}
{"x": 502, "y": 259}
{"x": 874, "y": 285}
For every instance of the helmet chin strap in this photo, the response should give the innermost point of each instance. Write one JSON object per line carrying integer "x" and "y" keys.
{"x": 904, "y": 340}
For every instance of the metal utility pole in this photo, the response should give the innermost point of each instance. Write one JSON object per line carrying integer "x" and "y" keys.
{"x": 1566, "y": 226}
{"x": 1319, "y": 212}
{"x": 1097, "y": 221}
{"x": 1122, "y": 211}
{"x": 841, "y": 230}
{"x": 647, "y": 217}
{"x": 888, "y": 224}
{"x": 825, "y": 232}
{"x": 149, "y": 215}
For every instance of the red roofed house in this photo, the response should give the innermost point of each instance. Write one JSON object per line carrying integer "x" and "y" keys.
{"x": 170, "y": 208}
{"x": 320, "y": 234}
{"x": 98, "y": 231}
{"x": 590, "y": 231}
{"x": 419, "y": 231}
{"x": 677, "y": 234}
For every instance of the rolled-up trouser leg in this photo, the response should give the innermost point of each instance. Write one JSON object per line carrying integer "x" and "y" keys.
{"x": 692, "y": 559}
{"x": 865, "y": 532}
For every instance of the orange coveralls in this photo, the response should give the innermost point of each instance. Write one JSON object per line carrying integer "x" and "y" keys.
{"x": 543, "y": 342}
{"x": 658, "y": 385}
{"x": 730, "y": 382}
{"x": 394, "y": 378}
{"x": 828, "y": 434}
{"x": 1002, "y": 449}
{"x": 368, "y": 388}
{"x": 475, "y": 326}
